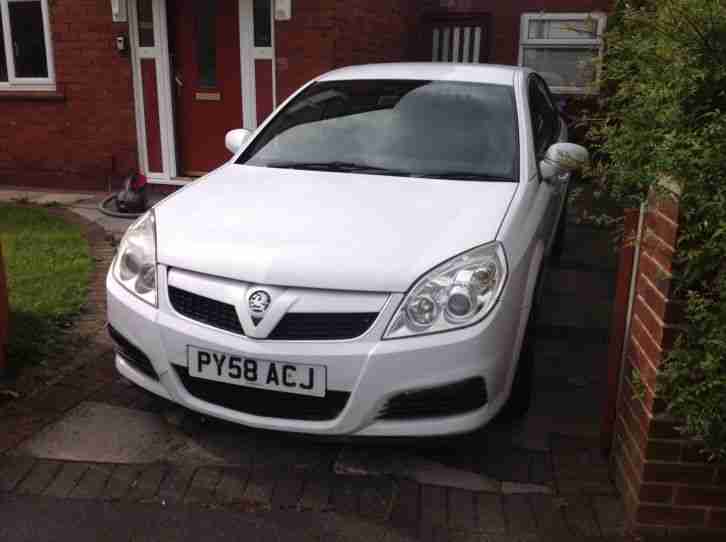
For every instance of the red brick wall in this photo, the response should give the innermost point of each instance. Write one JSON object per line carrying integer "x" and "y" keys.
{"x": 327, "y": 34}
{"x": 304, "y": 45}
{"x": 506, "y": 18}
{"x": 72, "y": 142}
{"x": 373, "y": 31}
{"x": 667, "y": 486}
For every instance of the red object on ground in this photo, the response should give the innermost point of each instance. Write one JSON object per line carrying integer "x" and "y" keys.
{"x": 139, "y": 181}
{"x": 618, "y": 322}
{"x": 4, "y": 315}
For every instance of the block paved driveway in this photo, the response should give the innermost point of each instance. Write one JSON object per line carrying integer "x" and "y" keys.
{"x": 89, "y": 456}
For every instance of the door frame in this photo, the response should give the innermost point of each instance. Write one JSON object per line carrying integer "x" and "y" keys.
{"x": 160, "y": 53}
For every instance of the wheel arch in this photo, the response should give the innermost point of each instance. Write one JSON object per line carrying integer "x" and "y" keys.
{"x": 535, "y": 268}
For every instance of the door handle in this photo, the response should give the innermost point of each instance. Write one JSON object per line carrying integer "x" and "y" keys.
{"x": 178, "y": 81}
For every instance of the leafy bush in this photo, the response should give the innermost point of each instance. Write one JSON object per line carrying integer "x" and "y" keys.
{"x": 664, "y": 116}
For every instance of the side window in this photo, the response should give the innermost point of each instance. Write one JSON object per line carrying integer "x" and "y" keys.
{"x": 553, "y": 112}
{"x": 545, "y": 118}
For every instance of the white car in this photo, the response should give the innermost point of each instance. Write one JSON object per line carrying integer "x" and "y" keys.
{"x": 367, "y": 263}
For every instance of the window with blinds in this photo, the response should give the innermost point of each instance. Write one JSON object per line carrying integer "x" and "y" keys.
{"x": 564, "y": 48}
{"x": 457, "y": 38}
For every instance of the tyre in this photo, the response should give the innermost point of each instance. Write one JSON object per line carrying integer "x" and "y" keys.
{"x": 520, "y": 396}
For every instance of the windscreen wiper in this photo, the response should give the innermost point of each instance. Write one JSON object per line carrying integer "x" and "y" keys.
{"x": 348, "y": 167}
{"x": 464, "y": 176}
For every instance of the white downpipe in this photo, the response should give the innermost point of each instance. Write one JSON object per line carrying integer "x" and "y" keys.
{"x": 631, "y": 300}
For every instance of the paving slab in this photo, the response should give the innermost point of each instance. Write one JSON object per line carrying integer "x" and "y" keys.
{"x": 610, "y": 515}
{"x": 111, "y": 224}
{"x": 317, "y": 492}
{"x": 232, "y": 485}
{"x": 15, "y": 195}
{"x": 82, "y": 520}
{"x": 93, "y": 482}
{"x": 44, "y": 198}
{"x": 121, "y": 480}
{"x": 175, "y": 483}
{"x": 97, "y": 432}
{"x": 147, "y": 484}
{"x": 39, "y": 478}
{"x": 287, "y": 490}
{"x": 63, "y": 199}
{"x": 490, "y": 513}
{"x": 13, "y": 470}
{"x": 569, "y": 311}
{"x": 376, "y": 499}
{"x": 589, "y": 284}
{"x": 362, "y": 461}
{"x": 66, "y": 480}
{"x": 462, "y": 514}
{"x": 514, "y": 488}
{"x": 589, "y": 247}
{"x": 405, "y": 509}
{"x": 519, "y": 513}
{"x": 203, "y": 485}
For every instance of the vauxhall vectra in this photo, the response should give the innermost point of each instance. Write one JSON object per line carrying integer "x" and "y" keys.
{"x": 367, "y": 263}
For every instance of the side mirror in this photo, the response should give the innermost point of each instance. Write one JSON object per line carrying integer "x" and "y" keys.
{"x": 235, "y": 138}
{"x": 563, "y": 158}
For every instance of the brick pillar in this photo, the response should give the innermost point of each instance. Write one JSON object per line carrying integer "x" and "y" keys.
{"x": 668, "y": 487}
{"x": 4, "y": 316}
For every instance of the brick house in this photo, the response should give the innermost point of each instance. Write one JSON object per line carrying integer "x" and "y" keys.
{"x": 91, "y": 89}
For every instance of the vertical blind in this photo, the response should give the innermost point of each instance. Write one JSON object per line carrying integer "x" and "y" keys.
{"x": 457, "y": 43}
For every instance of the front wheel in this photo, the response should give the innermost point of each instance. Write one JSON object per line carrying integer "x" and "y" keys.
{"x": 520, "y": 397}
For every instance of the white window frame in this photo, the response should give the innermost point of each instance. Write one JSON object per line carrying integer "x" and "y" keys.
{"x": 26, "y": 83}
{"x": 525, "y": 42}
{"x": 249, "y": 53}
{"x": 159, "y": 53}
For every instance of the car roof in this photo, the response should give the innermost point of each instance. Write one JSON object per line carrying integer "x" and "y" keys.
{"x": 435, "y": 71}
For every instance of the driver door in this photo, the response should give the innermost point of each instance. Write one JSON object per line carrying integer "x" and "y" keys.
{"x": 547, "y": 128}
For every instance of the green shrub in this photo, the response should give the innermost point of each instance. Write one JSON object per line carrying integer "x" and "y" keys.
{"x": 664, "y": 116}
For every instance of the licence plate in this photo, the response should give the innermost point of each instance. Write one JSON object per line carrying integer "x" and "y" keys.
{"x": 257, "y": 373}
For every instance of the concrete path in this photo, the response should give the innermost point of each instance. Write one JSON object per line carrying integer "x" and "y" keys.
{"x": 83, "y": 204}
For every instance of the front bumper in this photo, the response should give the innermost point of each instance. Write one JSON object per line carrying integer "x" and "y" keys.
{"x": 371, "y": 370}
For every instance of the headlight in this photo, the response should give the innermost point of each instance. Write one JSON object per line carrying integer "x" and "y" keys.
{"x": 456, "y": 294}
{"x": 135, "y": 263}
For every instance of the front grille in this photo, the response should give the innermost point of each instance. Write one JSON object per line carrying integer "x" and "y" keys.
{"x": 449, "y": 400}
{"x": 273, "y": 404}
{"x": 294, "y": 326}
{"x": 312, "y": 326}
{"x": 133, "y": 356}
{"x": 205, "y": 310}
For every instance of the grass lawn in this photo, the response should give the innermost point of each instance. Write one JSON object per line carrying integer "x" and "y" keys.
{"x": 48, "y": 266}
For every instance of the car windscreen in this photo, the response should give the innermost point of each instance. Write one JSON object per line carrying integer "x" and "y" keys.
{"x": 436, "y": 129}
